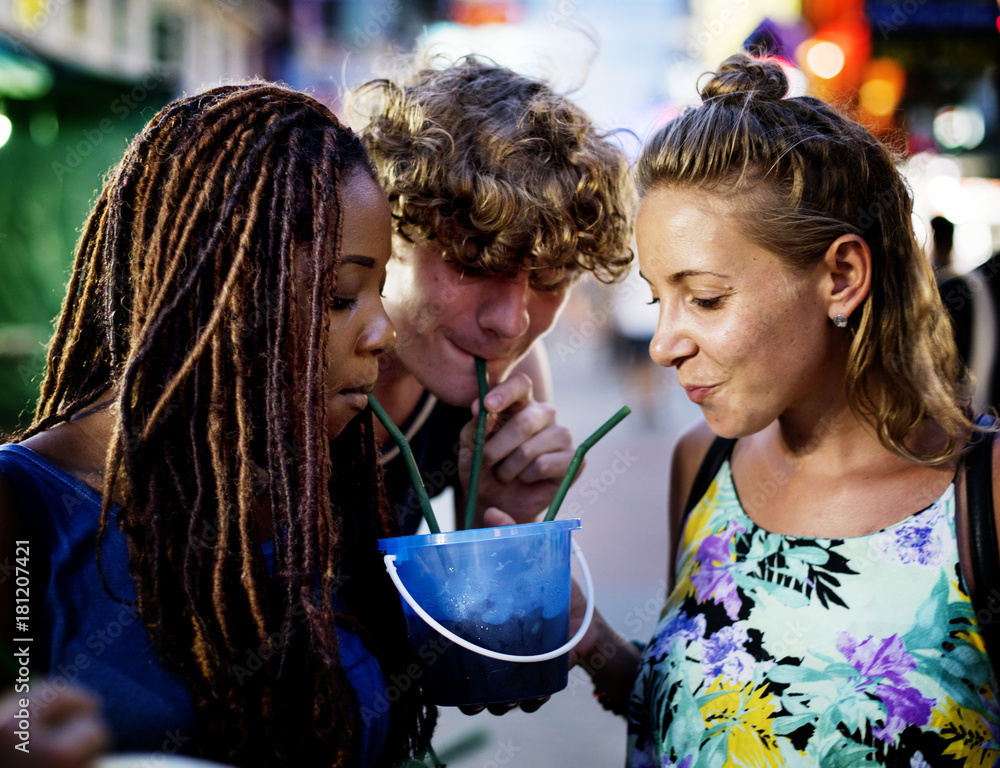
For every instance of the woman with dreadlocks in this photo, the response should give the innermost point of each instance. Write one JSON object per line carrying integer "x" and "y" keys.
{"x": 198, "y": 489}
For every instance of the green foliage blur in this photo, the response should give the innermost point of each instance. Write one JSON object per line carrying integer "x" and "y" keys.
{"x": 51, "y": 169}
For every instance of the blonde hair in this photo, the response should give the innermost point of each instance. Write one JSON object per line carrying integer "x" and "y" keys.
{"x": 499, "y": 170}
{"x": 800, "y": 175}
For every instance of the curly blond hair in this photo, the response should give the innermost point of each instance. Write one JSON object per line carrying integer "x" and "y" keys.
{"x": 798, "y": 175}
{"x": 501, "y": 171}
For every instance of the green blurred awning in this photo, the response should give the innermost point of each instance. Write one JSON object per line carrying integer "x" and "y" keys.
{"x": 22, "y": 74}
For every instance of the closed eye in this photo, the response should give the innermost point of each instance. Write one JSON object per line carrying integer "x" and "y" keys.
{"x": 711, "y": 303}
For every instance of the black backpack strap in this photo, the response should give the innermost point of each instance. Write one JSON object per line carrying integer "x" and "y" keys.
{"x": 983, "y": 540}
{"x": 718, "y": 452}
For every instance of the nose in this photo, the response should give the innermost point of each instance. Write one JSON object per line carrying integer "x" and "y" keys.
{"x": 672, "y": 343}
{"x": 503, "y": 306}
{"x": 380, "y": 333}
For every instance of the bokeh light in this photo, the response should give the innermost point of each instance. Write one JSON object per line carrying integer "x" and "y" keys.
{"x": 959, "y": 127}
{"x": 6, "y": 128}
{"x": 825, "y": 59}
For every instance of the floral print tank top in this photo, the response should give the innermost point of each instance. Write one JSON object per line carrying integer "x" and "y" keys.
{"x": 789, "y": 651}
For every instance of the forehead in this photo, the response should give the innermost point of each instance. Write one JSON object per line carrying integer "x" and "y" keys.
{"x": 676, "y": 222}
{"x": 366, "y": 206}
{"x": 365, "y": 227}
{"x": 681, "y": 233}
{"x": 680, "y": 210}
{"x": 470, "y": 260}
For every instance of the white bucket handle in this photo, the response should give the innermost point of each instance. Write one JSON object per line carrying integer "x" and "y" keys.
{"x": 390, "y": 566}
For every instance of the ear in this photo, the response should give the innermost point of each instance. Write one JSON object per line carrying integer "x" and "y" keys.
{"x": 848, "y": 265}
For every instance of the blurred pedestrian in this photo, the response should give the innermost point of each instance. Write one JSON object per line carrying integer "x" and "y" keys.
{"x": 973, "y": 304}
{"x": 942, "y": 247}
{"x": 952, "y": 286}
{"x": 821, "y": 612}
{"x": 503, "y": 194}
{"x": 199, "y": 487}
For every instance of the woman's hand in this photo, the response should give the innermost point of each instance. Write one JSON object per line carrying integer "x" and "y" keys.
{"x": 64, "y": 728}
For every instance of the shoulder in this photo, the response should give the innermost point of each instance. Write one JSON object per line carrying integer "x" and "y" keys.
{"x": 9, "y": 462}
{"x": 689, "y": 452}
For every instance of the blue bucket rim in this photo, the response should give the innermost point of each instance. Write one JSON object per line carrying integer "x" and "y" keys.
{"x": 399, "y": 544}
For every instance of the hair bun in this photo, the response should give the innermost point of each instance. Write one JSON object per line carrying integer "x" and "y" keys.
{"x": 743, "y": 74}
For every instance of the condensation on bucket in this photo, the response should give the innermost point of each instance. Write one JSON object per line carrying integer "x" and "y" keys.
{"x": 505, "y": 589}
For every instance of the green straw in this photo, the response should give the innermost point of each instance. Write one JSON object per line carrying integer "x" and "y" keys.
{"x": 477, "y": 451}
{"x": 411, "y": 464}
{"x": 574, "y": 465}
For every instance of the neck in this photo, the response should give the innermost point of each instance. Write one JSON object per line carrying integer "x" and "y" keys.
{"x": 838, "y": 441}
{"x": 834, "y": 433}
{"x": 80, "y": 445}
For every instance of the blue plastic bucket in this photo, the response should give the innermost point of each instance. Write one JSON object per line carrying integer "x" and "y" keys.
{"x": 487, "y": 610}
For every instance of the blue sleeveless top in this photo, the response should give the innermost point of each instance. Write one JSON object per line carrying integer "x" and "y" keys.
{"x": 84, "y": 636}
{"x": 788, "y": 650}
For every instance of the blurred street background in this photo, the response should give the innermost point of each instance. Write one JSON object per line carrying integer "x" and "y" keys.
{"x": 78, "y": 78}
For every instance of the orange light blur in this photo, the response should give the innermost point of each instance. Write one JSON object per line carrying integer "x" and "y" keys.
{"x": 882, "y": 88}
{"x": 828, "y": 78}
{"x": 476, "y": 13}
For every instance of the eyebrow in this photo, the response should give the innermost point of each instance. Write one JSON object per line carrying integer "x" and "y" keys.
{"x": 355, "y": 258}
{"x": 684, "y": 274}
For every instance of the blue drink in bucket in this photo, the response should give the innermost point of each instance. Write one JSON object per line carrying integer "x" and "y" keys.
{"x": 487, "y": 610}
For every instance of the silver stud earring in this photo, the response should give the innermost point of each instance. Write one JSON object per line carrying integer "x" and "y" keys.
{"x": 840, "y": 321}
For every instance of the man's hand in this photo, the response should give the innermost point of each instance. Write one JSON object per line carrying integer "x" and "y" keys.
{"x": 525, "y": 455}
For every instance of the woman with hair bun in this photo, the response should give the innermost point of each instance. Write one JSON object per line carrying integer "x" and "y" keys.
{"x": 820, "y": 611}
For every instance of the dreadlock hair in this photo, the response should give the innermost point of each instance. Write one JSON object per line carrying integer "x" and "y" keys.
{"x": 499, "y": 170}
{"x": 796, "y": 175}
{"x": 182, "y": 303}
